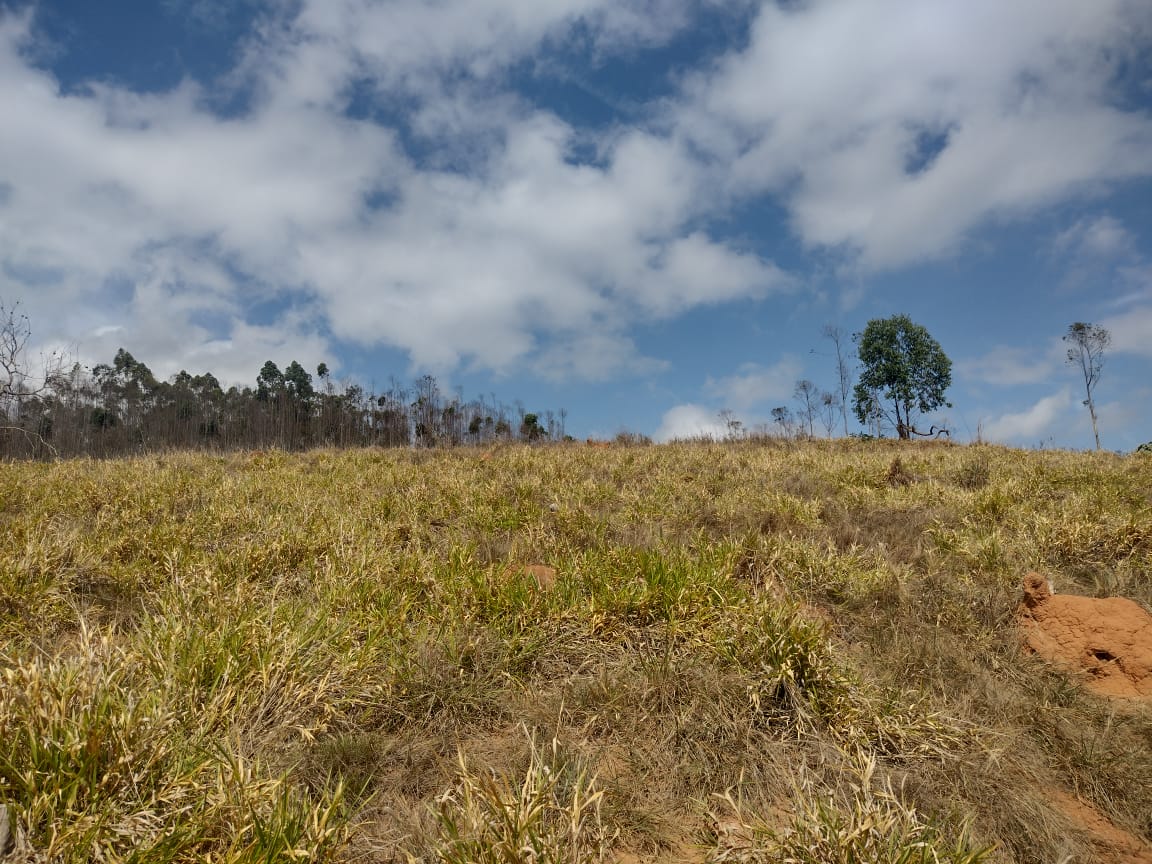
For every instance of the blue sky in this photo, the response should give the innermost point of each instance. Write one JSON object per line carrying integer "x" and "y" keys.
{"x": 642, "y": 211}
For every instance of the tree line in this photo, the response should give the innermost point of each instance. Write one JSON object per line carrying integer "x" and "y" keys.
{"x": 121, "y": 407}
{"x": 904, "y": 374}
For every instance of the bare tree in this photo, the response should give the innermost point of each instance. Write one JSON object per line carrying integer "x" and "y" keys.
{"x": 836, "y": 336}
{"x": 14, "y": 334}
{"x": 829, "y": 403}
{"x": 1088, "y": 343}
{"x": 17, "y": 384}
{"x": 734, "y": 427}
{"x": 16, "y": 379}
{"x": 807, "y": 399}
{"x": 782, "y": 417}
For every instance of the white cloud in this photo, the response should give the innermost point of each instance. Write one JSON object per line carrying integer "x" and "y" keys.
{"x": 1136, "y": 280}
{"x": 895, "y": 129}
{"x": 757, "y": 386}
{"x": 1029, "y": 426}
{"x": 695, "y": 270}
{"x": 476, "y": 268}
{"x": 691, "y": 421}
{"x": 748, "y": 395}
{"x": 130, "y": 219}
{"x": 1010, "y": 367}
{"x": 171, "y": 328}
{"x": 1131, "y": 330}
{"x": 1123, "y": 421}
{"x": 1095, "y": 253}
{"x": 414, "y": 46}
{"x": 1102, "y": 237}
{"x": 489, "y": 245}
{"x": 492, "y": 249}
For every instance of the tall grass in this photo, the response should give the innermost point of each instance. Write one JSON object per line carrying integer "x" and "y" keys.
{"x": 339, "y": 655}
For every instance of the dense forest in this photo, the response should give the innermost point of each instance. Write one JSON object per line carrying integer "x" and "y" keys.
{"x": 121, "y": 408}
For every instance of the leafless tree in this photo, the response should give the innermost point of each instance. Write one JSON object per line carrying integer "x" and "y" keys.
{"x": 782, "y": 417}
{"x": 14, "y": 335}
{"x": 837, "y": 336}
{"x": 733, "y": 426}
{"x": 18, "y": 384}
{"x": 1088, "y": 343}
{"x": 807, "y": 399}
{"x": 829, "y": 403}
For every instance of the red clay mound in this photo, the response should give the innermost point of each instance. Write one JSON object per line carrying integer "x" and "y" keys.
{"x": 1109, "y": 641}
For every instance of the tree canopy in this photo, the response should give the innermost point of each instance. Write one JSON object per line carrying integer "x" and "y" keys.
{"x": 904, "y": 373}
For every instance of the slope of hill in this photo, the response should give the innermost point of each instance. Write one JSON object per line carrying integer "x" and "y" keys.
{"x": 685, "y": 653}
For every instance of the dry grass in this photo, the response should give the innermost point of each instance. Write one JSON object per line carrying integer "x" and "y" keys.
{"x": 751, "y": 652}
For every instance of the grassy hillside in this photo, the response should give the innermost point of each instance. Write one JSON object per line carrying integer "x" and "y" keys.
{"x": 799, "y": 652}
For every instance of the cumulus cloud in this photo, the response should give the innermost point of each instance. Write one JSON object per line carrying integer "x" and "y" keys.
{"x": 756, "y": 386}
{"x": 691, "y": 421}
{"x": 486, "y": 245}
{"x": 1131, "y": 330}
{"x": 748, "y": 395}
{"x": 885, "y": 136}
{"x": 138, "y": 218}
{"x": 474, "y": 268}
{"x": 1030, "y": 425}
{"x": 384, "y": 182}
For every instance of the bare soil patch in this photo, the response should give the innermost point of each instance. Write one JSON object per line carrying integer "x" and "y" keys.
{"x": 1113, "y": 845}
{"x": 1106, "y": 641}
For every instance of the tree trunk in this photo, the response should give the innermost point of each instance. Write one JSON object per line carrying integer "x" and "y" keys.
{"x": 902, "y": 424}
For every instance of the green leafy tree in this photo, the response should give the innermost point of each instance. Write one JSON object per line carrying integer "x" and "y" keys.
{"x": 298, "y": 383}
{"x": 904, "y": 373}
{"x": 1088, "y": 342}
{"x": 530, "y": 428}
{"x": 128, "y": 387}
{"x": 269, "y": 383}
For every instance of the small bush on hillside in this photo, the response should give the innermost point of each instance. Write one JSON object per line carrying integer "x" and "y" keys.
{"x": 973, "y": 474}
{"x": 628, "y": 437}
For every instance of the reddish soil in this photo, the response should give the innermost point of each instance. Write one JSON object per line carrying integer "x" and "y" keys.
{"x": 1107, "y": 642}
{"x": 1113, "y": 845}
{"x": 542, "y": 574}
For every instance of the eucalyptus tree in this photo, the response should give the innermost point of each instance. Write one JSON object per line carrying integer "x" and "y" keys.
{"x": 904, "y": 373}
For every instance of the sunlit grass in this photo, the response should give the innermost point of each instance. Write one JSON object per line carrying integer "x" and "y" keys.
{"x": 338, "y": 655}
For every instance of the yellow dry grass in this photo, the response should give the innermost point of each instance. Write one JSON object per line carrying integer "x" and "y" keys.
{"x": 750, "y": 651}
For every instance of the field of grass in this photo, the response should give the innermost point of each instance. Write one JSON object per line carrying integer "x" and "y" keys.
{"x": 751, "y": 652}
